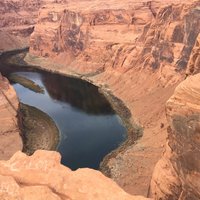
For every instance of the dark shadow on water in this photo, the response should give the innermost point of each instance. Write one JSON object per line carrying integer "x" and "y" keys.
{"x": 89, "y": 127}
{"x": 79, "y": 94}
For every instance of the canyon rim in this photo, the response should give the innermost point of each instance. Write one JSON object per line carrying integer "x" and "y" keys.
{"x": 138, "y": 51}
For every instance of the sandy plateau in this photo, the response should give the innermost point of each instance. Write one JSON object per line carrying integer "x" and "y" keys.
{"x": 140, "y": 51}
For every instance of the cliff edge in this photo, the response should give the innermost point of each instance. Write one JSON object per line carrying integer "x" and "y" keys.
{"x": 9, "y": 128}
{"x": 177, "y": 174}
{"x": 41, "y": 176}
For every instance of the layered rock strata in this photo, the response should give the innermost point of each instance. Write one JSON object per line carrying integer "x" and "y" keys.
{"x": 10, "y": 141}
{"x": 17, "y": 20}
{"x": 98, "y": 36}
{"x": 194, "y": 62}
{"x": 137, "y": 50}
{"x": 177, "y": 174}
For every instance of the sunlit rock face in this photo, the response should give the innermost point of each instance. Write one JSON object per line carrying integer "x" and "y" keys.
{"x": 17, "y": 20}
{"x": 137, "y": 50}
{"x": 10, "y": 141}
{"x": 123, "y": 36}
{"x": 193, "y": 66}
{"x": 177, "y": 174}
{"x": 41, "y": 176}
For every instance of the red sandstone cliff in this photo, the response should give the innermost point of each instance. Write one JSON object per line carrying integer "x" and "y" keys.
{"x": 96, "y": 36}
{"x": 177, "y": 174}
{"x": 10, "y": 141}
{"x": 137, "y": 50}
{"x": 140, "y": 51}
{"x": 17, "y": 20}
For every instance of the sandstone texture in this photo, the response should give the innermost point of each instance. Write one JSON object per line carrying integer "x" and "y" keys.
{"x": 41, "y": 176}
{"x": 99, "y": 36}
{"x": 17, "y": 20}
{"x": 177, "y": 174}
{"x": 10, "y": 141}
{"x": 138, "y": 50}
{"x": 193, "y": 66}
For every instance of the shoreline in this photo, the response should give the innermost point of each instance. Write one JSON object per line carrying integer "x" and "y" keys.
{"x": 130, "y": 166}
{"x": 134, "y": 131}
{"x": 35, "y": 122}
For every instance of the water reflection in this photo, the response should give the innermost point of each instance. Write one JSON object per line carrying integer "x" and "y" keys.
{"x": 89, "y": 127}
{"x": 80, "y": 94}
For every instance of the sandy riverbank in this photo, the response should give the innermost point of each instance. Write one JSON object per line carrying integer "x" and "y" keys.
{"x": 39, "y": 130}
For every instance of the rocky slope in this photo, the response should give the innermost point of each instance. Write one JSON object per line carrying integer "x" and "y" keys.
{"x": 9, "y": 130}
{"x": 176, "y": 175}
{"x": 16, "y": 23}
{"x": 41, "y": 176}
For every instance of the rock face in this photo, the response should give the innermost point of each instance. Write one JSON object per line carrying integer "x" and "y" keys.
{"x": 17, "y": 20}
{"x": 9, "y": 130}
{"x": 97, "y": 36}
{"x": 16, "y": 23}
{"x": 177, "y": 174}
{"x": 137, "y": 50}
{"x": 194, "y": 62}
{"x": 41, "y": 176}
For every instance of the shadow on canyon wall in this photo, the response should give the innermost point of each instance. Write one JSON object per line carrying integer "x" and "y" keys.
{"x": 77, "y": 93}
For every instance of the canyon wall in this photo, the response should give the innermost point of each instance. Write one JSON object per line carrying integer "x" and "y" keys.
{"x": 98, "y": 36}
{"x": 17, "y": 20}
{"x": 9, "y": 130}
{"x": 177, "y": 174}
{"x": 139, "y": 51}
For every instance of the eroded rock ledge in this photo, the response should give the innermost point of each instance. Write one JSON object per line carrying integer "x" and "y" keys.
{"x": 41, "y": 176}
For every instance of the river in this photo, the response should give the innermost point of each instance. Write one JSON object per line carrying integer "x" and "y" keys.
{"x": 89, "y": 127}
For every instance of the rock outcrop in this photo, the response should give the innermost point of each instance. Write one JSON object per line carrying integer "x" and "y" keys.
{"x": 10, "y": 141}
{"x": 177, "y": 174}
{"x": 41, "y": 176}
{"x": 17, "y": 20}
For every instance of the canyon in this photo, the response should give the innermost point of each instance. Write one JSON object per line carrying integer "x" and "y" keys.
{"x": 139, "y": 51}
